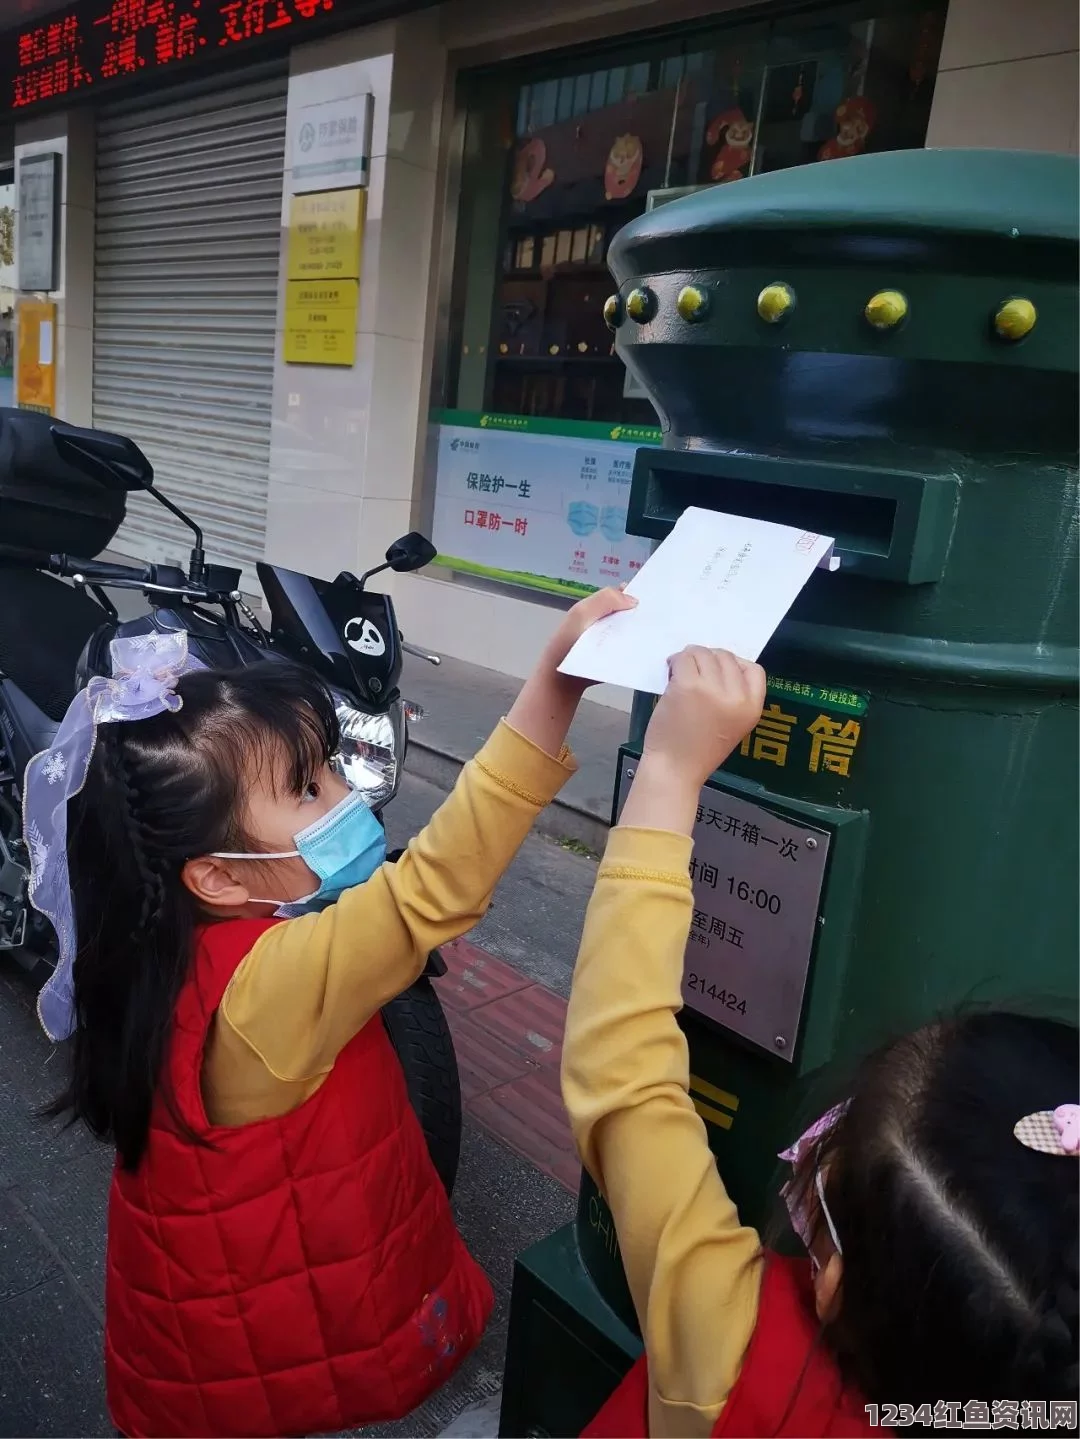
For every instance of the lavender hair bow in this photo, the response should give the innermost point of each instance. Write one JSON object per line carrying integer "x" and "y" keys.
{"x": 145, "y": 671}
{"x": 794, "y": 1195}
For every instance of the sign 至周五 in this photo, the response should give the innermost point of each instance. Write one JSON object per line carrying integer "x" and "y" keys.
{"x": 757, "y": 877}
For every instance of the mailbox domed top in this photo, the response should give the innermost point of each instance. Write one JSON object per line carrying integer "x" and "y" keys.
{"x": 924, "y": 297}
{"x": 902, "y": 206}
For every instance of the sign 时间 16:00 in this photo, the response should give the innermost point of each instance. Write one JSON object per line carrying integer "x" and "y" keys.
{"x": 757, "y": 880}
{"x": 531, "y": 507}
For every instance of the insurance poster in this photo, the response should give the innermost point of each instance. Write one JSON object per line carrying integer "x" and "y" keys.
{"x": 549, "y": 510}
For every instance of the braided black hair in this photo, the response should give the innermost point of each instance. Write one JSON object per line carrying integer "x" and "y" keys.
{"x": 145, "y": 854}
{"x": 158, "y": 793}
{"x": 960, "y": 1253}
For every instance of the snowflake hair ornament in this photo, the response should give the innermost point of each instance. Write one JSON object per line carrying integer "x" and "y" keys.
{"x": 145, "y": 672}
{"x": 54, "y": 767}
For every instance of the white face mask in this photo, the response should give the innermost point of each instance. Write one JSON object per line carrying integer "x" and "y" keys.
{"x": 344, "y": 847}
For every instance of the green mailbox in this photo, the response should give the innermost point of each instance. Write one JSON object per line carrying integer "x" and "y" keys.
{"x": 881, "y": 349}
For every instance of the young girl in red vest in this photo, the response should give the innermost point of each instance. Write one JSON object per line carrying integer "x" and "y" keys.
{"x": 938, "y": 1204}
{"x": 282, "y": 1257}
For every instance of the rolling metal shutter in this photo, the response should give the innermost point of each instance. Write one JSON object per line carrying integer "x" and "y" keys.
{"x": 188, "y": 233}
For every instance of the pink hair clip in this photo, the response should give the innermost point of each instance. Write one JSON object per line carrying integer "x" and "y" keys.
{"x": 1051, "y": 1131}
{"x": 794, "y": 1152}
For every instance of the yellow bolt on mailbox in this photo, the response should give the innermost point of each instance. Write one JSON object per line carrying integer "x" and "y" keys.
{"x": 613, "y": 312}
{"x": 775, "y": 303}
{"x": 1015, "y": 318}
{"x": 886, "y": 309}
{"x": 641, "y": 305}
{"x": 692, "y": 303}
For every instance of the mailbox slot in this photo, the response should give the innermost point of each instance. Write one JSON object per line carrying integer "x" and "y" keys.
{"x": 888, "y": 524}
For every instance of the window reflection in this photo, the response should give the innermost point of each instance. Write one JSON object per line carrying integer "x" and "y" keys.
{"x": 557, "y": 163}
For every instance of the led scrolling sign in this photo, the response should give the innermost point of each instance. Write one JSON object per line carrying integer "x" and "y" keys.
{"x": 101, "y": 43}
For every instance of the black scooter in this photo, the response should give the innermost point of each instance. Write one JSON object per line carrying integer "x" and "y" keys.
{"x": 63, "y": 487}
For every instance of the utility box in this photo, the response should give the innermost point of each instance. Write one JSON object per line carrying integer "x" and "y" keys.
{"x": 881, "y": 349}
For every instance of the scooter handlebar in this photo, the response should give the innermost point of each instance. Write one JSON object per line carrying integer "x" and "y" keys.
{"x": 420, "y": 654}
{"x": 68, "y": 566}
{"x": 98, "y": 572}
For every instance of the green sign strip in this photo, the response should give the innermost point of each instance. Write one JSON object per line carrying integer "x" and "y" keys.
{"x": 820, "y": 697}
{"x": 516, "y": 577}
{"x": 567, "y": 429}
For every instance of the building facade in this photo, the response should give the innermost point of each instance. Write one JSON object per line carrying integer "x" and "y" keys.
{"x": 345, "y": 278}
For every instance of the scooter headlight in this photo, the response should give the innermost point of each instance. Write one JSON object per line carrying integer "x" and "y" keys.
{"x": 371, "y": 750}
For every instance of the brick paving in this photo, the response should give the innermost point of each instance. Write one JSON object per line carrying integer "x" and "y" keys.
{"x": 508, "y": 1037}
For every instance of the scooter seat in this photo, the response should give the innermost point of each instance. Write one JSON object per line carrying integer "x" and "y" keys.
{"x": 44, "y": 624}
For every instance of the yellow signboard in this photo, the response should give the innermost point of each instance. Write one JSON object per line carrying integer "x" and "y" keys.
{"x": 325, "y": 235}
{"x": 35, "y": 364}
{"x": 320, "y": 322}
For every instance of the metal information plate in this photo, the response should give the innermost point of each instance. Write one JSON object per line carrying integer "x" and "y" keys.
{"x": 757, "y": 880}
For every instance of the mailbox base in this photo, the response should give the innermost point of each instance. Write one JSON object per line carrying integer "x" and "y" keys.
{"x": 566, "y": 1349}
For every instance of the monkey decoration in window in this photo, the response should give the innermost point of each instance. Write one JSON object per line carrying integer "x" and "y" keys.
{"x": 854, "y": 120}
{"x": 737, "y": 134}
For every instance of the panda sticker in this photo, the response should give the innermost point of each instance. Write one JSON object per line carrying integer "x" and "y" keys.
{"x": 361, "y": 635}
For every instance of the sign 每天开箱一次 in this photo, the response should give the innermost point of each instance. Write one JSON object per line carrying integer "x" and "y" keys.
{"x": 325, "y": 235}
{"x": 537, "y": 503}
{"x": 757, "y": 877}
{"x": 320, "y": 322}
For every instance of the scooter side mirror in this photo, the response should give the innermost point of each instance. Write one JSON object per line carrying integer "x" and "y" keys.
{"x": 411, "y": 552}
{"x": 113, "y": 461}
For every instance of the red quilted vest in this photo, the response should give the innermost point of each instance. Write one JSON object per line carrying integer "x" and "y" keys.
{"x": 789, "y": 1383}
{"x": 303, "y": 1274}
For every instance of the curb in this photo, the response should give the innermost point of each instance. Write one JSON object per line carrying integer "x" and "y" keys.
{"x": 560, "y": 820}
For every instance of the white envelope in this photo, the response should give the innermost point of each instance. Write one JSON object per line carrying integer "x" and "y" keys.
{"x": 717, "y": 580}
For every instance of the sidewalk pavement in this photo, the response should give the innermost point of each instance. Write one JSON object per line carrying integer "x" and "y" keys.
{"x": 508, "y": 1039}
{"x": 462, "y": 704}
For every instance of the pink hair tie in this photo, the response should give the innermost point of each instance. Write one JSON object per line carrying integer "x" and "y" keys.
{"x": 1067, "y": 1124}
{"x": 1051, "y": 1131}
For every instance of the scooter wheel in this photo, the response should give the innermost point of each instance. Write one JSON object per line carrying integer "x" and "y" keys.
{"x": 418, "y": 1030}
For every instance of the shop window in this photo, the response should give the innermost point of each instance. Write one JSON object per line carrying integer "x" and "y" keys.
{"x": 559, "y": 156}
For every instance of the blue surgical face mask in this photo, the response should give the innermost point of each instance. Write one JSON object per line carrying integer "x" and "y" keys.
{"x": 343, "y": 848}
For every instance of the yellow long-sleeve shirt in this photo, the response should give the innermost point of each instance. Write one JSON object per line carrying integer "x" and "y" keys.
{"x": 694, "y": 1271}
{"x": 309, "y": 984}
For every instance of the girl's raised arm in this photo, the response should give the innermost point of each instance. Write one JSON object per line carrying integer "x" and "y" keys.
{"x": 694, "y": 1271}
